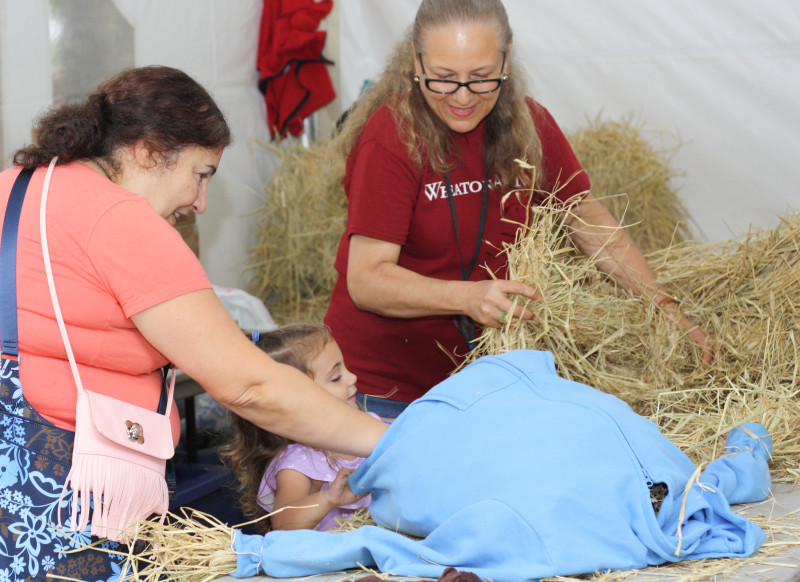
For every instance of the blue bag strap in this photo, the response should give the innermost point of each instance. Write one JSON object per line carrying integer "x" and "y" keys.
{"x": 8, "y": 265}
{"x": 162, "y": 402}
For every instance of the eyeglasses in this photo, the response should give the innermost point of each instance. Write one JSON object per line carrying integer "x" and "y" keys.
{"x": 478, "y": 86}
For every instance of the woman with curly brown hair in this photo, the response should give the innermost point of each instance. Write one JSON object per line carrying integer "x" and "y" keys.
{"x": 119, "y": 169}
{"x": 429, "y": 153}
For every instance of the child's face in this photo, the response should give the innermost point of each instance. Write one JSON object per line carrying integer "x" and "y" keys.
{"x": 329, "y": 371}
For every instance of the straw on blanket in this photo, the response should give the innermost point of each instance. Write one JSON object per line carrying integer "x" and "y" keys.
{"x": 299, "y": 227}
{"x": 744, "y": 291}
{"x": 635, "y": 179}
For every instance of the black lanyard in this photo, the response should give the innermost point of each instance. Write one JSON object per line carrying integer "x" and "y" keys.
{"x": 465, "y": 325}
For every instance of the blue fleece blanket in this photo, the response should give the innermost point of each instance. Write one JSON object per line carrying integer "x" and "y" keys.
{"x": 513, "y": 473}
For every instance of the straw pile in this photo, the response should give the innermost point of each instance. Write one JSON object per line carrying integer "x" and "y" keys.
{"x": 744, "y": 291}
{"x": 635, "y": 180}
{"x": 303, "y": 218}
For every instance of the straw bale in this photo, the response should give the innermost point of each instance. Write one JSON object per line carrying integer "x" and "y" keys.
{"x": 744, "y": 291}
{"x": 299, "y": 227}
{"x": 635, "y": 179}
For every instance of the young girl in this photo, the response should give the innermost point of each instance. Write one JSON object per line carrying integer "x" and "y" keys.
{"x": 274, "y": 472}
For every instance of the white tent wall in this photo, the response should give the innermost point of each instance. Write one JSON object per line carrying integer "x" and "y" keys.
{"x": 215, "y": 42}
{"x": 721, "y": 77}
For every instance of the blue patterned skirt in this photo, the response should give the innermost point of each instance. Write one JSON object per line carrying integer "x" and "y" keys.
{"x": 34, "y": 462}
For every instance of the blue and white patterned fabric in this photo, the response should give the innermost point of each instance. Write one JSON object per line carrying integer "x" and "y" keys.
{"x": 34, "y": 462}
{"x": 513, "y": 473}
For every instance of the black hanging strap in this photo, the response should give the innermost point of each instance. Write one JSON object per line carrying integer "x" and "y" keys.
{"x": 464, "y": 324}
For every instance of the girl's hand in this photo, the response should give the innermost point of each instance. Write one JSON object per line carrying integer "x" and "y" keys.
{"x": 339, "y": 493}
{"x": 490, "y": 304}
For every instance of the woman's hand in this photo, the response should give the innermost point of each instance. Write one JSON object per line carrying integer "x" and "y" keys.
{"x": 705, "y": 341}
{"x": 339, "y": 493}
{"x": 491, "y": 303}
{"x": 598, "y": 235}
{"x": 697, "y": 334}
{"x": 376, "y": 283}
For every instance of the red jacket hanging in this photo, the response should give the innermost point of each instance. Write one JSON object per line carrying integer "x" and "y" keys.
{"x": 292, "y": 71}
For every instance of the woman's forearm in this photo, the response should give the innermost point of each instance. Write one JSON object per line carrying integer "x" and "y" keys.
{"x": 376, "y": 283}
{"x": 290, "y": 404}
{"x": 597, "y": 234}
{"x": 196, "y": 333}
{"x": 393, "y": 291}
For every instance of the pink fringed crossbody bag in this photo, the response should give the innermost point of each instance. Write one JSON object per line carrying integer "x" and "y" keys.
{"x": 120, "y": 450}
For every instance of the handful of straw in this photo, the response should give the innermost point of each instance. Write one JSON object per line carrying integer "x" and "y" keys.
{"x": 189, "y": 547}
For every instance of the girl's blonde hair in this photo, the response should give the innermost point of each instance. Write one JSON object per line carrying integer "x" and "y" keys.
{"x": 252, "y": 448}
{"x": 510, "y": 130}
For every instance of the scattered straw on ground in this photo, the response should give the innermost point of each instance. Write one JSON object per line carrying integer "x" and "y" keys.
{"x": 196, "y": 547}
{"x": 189, "y": 547}
{"x": 635, "y": 179}
{"x": 299, "y": 227}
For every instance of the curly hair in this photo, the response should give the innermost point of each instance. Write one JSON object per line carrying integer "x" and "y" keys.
{"x": 253, "y": 448}
{"x": 511, "y": 133}
{"x": 161, "y": 107}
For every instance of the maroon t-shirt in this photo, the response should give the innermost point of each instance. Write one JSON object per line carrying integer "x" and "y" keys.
{"x": 392, "y": 200}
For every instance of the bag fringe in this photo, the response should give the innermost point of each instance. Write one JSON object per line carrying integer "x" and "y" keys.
{"x": 117, "y": 494}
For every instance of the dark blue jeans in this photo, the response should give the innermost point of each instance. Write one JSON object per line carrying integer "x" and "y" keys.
{"x": 383, "y": 407}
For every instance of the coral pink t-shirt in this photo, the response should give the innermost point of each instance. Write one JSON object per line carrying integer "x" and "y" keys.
{"x": 112, "y": 256}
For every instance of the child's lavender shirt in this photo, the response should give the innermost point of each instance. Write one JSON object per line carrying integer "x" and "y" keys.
{"x": 313, "y": 464}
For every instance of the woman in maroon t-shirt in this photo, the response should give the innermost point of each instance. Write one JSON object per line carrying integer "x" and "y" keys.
{"x": 428, "y": 152}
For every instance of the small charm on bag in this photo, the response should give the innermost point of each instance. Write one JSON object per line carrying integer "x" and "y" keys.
{"x": 134, "y": 431}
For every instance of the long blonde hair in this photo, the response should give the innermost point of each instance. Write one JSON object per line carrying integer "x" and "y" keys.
{"x": 510, "y": 130}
